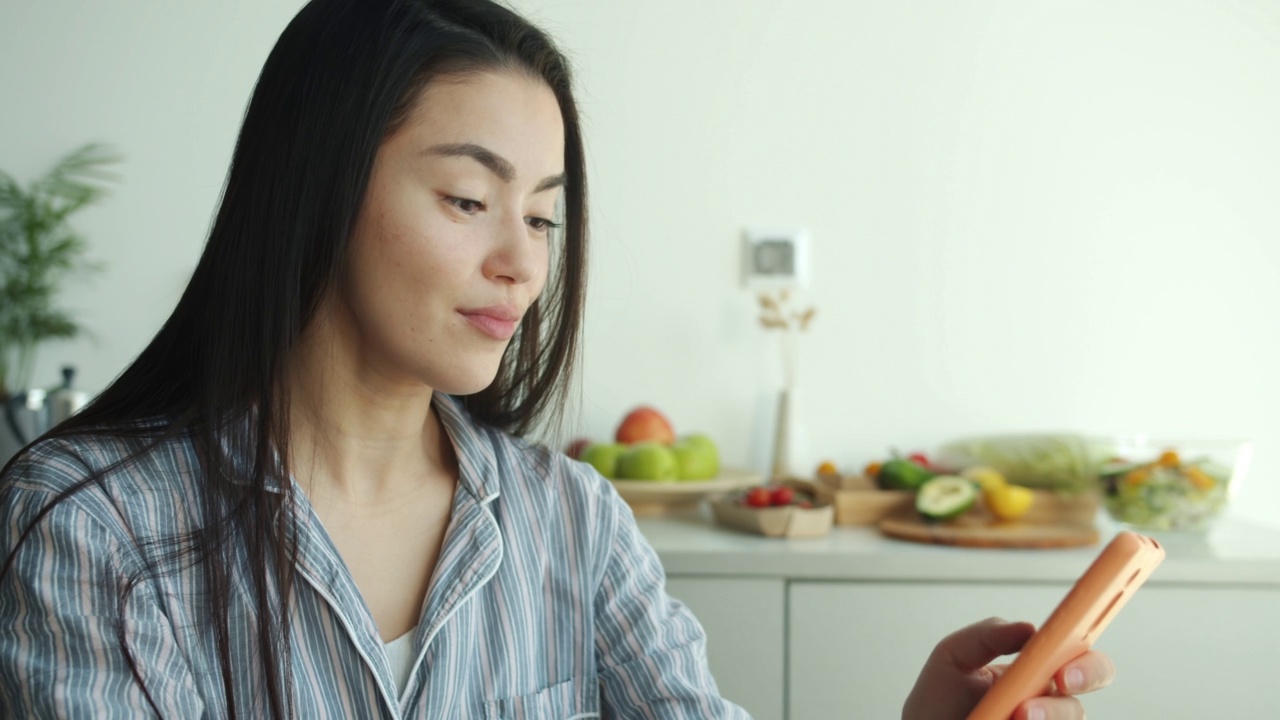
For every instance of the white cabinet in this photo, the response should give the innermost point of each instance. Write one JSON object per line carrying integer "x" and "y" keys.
{"x": 744, "y": 619}
{"x": 855, "y": 648}
{"x": 839, "y": 627}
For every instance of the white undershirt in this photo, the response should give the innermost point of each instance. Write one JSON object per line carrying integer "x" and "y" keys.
{"x": 400, "y": 656}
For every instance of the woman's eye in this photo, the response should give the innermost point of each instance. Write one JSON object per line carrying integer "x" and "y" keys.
{"x": 542, "y": 225}
{"x": 470, "y": 207}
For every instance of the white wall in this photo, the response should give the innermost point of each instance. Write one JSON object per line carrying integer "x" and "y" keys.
{"x": 1024, "y": 216}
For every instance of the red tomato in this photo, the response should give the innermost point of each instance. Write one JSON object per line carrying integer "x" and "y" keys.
{"x": 758, "y": 497}
{"x": 782, "y": 495}
{"x": 920, "y": 459}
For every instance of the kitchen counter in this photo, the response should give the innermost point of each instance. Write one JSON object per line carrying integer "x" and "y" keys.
{"x": 839, "y": 626}
{"x": 1236, "y": 552}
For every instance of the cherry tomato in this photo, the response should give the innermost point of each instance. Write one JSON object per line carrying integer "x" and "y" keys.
{"x": 758, "y": 497}
{"x": 782, "y": 495}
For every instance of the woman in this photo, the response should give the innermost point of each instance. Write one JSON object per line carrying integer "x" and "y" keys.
{"x": 308, "y": 496}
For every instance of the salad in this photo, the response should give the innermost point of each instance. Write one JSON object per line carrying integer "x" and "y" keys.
{"x": 1167, "y": 493}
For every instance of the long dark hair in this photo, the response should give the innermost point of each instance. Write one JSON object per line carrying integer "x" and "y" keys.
{"x": 342, "y": 77}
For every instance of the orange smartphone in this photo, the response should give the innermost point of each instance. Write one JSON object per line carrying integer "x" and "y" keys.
{"x": 1117, "y": 573}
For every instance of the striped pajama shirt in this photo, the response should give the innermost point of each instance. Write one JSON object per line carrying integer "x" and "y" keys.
{"x": 546, "y": 602}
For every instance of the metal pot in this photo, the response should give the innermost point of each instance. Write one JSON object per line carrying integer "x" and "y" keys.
{"x": 26, "y": 417}
{"x": 30, "y": 414}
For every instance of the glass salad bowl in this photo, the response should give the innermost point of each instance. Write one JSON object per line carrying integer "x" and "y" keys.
{"x": 1154, "y": 484}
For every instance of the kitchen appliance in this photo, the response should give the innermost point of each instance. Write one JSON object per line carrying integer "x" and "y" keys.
{"x": 30, "y": 414}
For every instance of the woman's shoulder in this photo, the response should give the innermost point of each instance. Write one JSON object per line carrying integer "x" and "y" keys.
{"x": 135, "y": 460}
{"x": 535, "y": 481}
{"x": 543, "y": 467}
{"x": 520, "y": 465}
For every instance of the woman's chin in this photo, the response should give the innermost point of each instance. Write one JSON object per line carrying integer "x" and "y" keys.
{"x": 466, "y": 385}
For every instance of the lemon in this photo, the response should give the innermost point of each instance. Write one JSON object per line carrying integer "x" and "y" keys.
{"x": 988, "y": 478}
{"x": 1009, "y": 502}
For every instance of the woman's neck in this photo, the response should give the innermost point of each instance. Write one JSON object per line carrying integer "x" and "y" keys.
{"x": 354, "y": 433}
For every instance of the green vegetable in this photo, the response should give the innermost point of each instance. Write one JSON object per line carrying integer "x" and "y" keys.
{"x": 900, "y": 474}
{"x": 946, "y": 497}
{"x": 1063, "y": 462}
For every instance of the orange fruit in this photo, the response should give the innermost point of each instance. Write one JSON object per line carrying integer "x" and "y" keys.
{"x": 1201, "y": 479}
{"x": 1137, "y": 476}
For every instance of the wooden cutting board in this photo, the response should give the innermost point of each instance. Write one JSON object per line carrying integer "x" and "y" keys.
{"x": 984, "y": 531}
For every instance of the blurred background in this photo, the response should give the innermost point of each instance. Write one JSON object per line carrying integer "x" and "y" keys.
{"x": 1058, "y": 216}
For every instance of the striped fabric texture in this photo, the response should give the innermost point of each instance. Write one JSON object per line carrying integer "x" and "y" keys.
{"x": 546, "y": 602}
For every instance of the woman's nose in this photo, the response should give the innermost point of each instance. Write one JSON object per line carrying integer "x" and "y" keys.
{"x": 517, "y": 252}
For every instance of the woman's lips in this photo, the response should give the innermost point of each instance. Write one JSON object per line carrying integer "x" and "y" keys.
{"x": 497, "y": 323}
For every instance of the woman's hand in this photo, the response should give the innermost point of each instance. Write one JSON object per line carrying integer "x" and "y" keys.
{"x": 957, "y": 675}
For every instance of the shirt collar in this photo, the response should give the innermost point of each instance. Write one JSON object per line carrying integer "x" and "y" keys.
{"x": 474, "y": 445}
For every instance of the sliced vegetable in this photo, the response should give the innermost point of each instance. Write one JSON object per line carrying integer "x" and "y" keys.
{"x": 946, "y": 497}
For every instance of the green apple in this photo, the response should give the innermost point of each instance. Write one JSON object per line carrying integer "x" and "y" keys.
{"x": 697, "y": 457}
{"x": 603, "y": 457}
{"x": 648, "y": 461}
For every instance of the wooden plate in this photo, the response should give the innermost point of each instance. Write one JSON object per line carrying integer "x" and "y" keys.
{"x": 981, "y": 530}
{"x": 649, "y": 497}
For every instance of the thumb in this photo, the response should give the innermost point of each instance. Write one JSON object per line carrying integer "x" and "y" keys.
{"x": 973, "y": 646}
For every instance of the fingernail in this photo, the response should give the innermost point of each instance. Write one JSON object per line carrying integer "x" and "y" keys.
{"x": 1035, "y": 713}
{"x": 1075, "y": 680}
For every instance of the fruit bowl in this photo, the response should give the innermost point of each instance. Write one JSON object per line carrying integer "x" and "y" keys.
{"x": 654, "y": 497}
{"x": 1153, "y": 484}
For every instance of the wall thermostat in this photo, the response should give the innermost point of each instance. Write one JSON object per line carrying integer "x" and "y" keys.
{"x": 773, "y": 259}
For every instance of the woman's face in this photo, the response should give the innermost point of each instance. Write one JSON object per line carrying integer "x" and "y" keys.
{"x": 451, "y": 246}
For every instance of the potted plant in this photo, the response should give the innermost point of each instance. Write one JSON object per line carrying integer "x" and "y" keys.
{"x": 38, "y": 250}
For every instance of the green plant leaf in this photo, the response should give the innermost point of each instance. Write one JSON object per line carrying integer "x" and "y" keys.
{"x": 39, "y": 250}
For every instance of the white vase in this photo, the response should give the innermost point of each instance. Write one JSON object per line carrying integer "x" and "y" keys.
{"x": 785, "y": 435}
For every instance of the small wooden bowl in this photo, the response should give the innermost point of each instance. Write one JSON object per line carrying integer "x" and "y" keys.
{"x": 790, "y": 521}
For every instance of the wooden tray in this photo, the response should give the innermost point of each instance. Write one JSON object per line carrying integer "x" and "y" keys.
{"x": 977, "y": 529}
{"x": 857, "y": 501}
{"x": 650, "y": 497}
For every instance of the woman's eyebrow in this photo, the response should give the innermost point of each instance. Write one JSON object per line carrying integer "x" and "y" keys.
{"x": 554, "y": 181}
{"x": 497, "y": 164}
